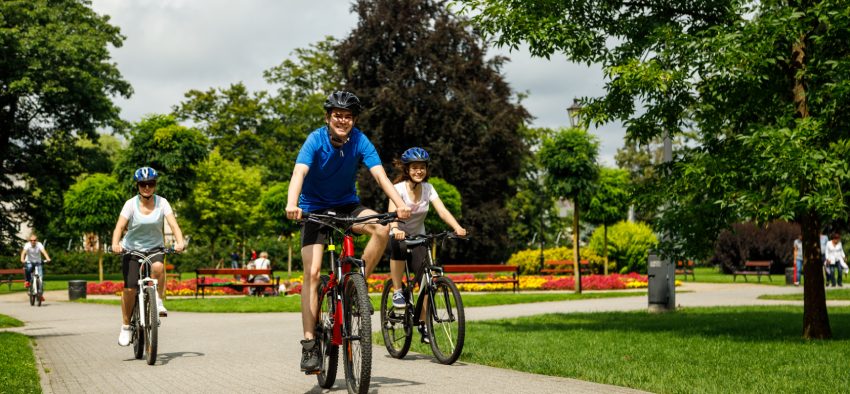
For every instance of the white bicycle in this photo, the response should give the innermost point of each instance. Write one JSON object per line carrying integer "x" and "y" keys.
{"x": 36, "y": 289}
{"x": 145, "y": 322}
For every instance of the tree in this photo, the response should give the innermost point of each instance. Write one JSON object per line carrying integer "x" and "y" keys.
{"x": 55, "y": 77}
{"x": 267, "y": 129}
{"x": 762, "y": 84}
{"x": 220, "y": 206}
{"x": 424, "y": 79}
{"x": 608, "y": 203}
{"x": 92, "y": 206}
{"x": 158, "y": 141}
{"x": 569, "y": 158}
{"x": 271, "y": 214}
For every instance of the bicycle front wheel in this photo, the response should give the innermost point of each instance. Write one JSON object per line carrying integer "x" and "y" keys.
{"x": 151, "y": 324}
{"x": 39, "y": 291}
{"x": 138, "y": 338}
{"x": 357, "y": 343}
{"x": 31, "y": 294}
{"x": 324, "y": 335}
{"x": 446, "y": 322}
{"x": 396, "y": 324}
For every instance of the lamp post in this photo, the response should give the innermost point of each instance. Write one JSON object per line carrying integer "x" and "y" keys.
{"x": 573, "y": 112}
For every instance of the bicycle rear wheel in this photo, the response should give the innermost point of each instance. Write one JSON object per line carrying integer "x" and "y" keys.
{"x": 396, "y": 324}
{"x": 446, "y": 322}
{"x": 324, "y": 335}
{"x": 138, "y": 338}
{"x": 151, "y": 324}
{"x": 357, "y": 344}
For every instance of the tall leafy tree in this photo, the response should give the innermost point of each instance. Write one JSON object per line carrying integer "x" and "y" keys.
{"x": 424, "y": 78}
{"x": 55, "y": 77}
{"x": 222, "y": 200}
{"x": 270, "y": 214}
{"x": 267, "y": 128}
{"x": 91, "y": 206}
{"x": 569, "y": 158}
{"x": 158, "y": 141}
{"x": 608, "y": 203}
{"x": 762, "y": 83}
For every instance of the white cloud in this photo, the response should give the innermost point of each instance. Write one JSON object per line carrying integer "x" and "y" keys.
{"x": 173, "y": 46}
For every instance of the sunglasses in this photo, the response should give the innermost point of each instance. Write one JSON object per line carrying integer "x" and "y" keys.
{"x": 147, "y": 184}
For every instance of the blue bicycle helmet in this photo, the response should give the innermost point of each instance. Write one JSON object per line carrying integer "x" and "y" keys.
{"x": 145, "y": 174}
{"x": 343, "y": 100}
{"x": 415, "y": 154}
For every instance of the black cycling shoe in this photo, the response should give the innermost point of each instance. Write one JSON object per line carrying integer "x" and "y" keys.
{"x": 310, "y": 359}
{"x": 424, "y": 332}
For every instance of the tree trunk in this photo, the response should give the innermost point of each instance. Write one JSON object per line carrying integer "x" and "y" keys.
{"x": 576, "y": 252}
{"x": 815, "y": 316}
{"x": 100, "y": 264}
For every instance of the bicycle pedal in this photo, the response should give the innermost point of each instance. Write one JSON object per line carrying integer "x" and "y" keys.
{"x": 316, "y": 372}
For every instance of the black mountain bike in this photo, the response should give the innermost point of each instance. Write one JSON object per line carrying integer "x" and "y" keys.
{"x": 441, "y": 298}
{"x": 145, "y": 319}
{"x": 344, "y": 306}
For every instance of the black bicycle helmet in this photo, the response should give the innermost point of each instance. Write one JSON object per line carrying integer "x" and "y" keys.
{"x": 344, "y": 100}
{"x": 415, "y": 154}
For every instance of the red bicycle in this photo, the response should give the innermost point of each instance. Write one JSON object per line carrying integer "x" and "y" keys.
{"x": 344, "y": 306}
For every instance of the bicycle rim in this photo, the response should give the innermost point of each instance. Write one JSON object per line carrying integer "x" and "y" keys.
{"x": 151, "y": 323}
{"x": 324, "y": 333}
{"x": 395, "y": 324}
{"x": 32, "y": 295}
{"x": 357, "y": 343}
{"x": 138, "y": 332}
{"x": 446, "y": 323}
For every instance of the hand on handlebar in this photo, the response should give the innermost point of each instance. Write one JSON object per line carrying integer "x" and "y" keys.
{"x": 179, "y": 247}
{"x": 460, "y": 232}
{"x": 397, "y": 234}
{"x": 403, "y": 212}
{"x": 117, "y": 249}
{"x": 293, "y": 212}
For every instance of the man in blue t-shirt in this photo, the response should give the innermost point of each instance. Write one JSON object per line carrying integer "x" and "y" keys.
{"x": 324, "y": 179}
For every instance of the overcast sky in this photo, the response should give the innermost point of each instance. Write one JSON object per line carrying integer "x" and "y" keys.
{"x": 173, "y": 46}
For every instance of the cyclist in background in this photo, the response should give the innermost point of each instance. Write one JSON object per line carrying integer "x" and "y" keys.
{"x": 143, "y": 217}
{"x": 31, "y": 256}
{"x": 418, "y": 194}
{"x": 324, "y": 180}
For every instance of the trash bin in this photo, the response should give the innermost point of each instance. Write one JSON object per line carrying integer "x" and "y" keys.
{"x": 789, "y": 276}
{"x": 76, "y": 289}
{"x": 661, "y": 276}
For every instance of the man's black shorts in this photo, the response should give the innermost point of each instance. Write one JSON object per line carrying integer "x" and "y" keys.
{"x": 310, "y": 233}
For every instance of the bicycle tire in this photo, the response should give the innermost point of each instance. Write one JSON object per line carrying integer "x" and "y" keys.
{"x": 396, "y": 328}
{"x": 324, "y": 334}
{"x": 39, "y": 291}
{"x": 31, "y": 294}
{"x": 446, "y": 321}
{"x": 138, "y": 338}
{"x": 151, "y": 325}
{"x": 357, "y": 342}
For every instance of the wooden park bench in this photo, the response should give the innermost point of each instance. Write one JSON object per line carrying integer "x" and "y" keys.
{"x": 564, "y": 267}
{"x": 483, "y": 268}
{"x": 239, "y": 282}
{"x": 758, "y": 268}
{"x": 685, "y": 268}
{"x": 8, "y": 275}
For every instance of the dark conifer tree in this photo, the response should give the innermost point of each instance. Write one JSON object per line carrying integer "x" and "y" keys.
{"x": 425, "y": 80}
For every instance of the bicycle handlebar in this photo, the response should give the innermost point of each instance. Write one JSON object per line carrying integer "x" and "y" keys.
{"x": 162, "y": 250}
{"x": 444, "y": 234}
{"x": 338, "y": 222}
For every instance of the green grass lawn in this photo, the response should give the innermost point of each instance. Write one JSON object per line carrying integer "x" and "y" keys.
{"x": 714, "y": 275}
{"x": 241, "y": 304}
{"x": 698, "y": 350}
{"x": 831, "y": 294}
{"x": 18, "y": 372}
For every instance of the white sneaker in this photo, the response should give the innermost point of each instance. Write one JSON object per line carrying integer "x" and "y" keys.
{"x": 398, "y": 299}
{"x": 161, "y": 308}
{"x": 124, "y": 336}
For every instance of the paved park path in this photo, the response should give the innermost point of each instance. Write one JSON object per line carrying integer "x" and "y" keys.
{"x": 76, "y": 349}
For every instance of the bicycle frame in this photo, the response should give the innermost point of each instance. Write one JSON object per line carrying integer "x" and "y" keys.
{"x": 145, "y": 280}
{"x": 430, "y": 272}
